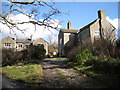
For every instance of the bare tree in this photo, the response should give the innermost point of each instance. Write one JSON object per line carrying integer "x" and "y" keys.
{"x": 19, "y": 7}
{"x": 53, "y": 46}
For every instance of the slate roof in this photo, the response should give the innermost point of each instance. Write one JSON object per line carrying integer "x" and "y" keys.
{"x": 69, "y": 30}
{"x": 20, "y": 40}
{"x": 88, "y": 25}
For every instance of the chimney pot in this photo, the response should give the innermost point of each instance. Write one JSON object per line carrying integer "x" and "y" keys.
{"x": 69, "y": 25}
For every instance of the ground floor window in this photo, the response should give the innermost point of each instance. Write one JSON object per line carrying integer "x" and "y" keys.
{"x": 20, "y": 46}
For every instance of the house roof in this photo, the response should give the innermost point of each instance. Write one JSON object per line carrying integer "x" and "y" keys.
{"x": 93, "y": 23}
{"x": 88, "y": 25}
{"x": 77, "y": 31}
{"x": 20, "y": 40}
{"x": 69, "y": 30}
{"x": 42, "y": 40}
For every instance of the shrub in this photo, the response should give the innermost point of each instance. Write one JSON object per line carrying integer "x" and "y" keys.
{"x": 102, "y": 48}
{"x": 34, "y": 52}
{"x": 28, "y": 55}
{"x": 99, "y": 64}
{"x": 104, "y": 65}
{"x": 82, "y": 56}
{"x": 10, "y": 57}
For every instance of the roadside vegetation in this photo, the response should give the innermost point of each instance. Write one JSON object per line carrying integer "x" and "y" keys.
{"x": 100, "y": 61}
{"x": 33, "y": 54}
{"x": 24, "y": 66}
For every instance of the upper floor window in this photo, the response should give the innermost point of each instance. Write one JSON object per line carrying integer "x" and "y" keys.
{"x": 8, "y": 44}
{"x": 60, "y": 41}
{"x": 97, "y": 34}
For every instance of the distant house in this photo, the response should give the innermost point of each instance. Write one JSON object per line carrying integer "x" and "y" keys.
{"x": 19, "y": 44}
{"x": 99, "y": 28}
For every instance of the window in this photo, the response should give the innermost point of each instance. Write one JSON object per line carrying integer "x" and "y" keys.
{"x": 7, "y": 44}
{"x": 60, "y": 41}
{"x": 97, "y": 34}
{"x": 20, "y": 46}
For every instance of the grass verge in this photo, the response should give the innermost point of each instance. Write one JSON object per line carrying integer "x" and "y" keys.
{"x": 99, "y": 79}
{"x": 59, "y": 58}
{"x": 31, "y": 73}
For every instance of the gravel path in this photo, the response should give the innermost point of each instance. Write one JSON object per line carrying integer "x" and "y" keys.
{"x": 57, "y": 75}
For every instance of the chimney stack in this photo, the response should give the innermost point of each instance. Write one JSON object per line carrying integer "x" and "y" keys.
{"x": 69, "y": 25}
{"x": 15, "y": 37}
{"x": 31, "y": 37}
{"x": 101, "y": 14}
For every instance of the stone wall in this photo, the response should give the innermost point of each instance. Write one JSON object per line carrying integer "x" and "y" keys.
{"x": 95, "y": 31}
{"x": 83, "y": 35}
{"x": 109, "y": 32}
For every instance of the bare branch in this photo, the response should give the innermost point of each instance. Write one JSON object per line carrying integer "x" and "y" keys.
{"x": 20, "y": 9}
{"x": 19, "y": 2}
{"x": 51, "y": 7}
{"x": 49, "y": 16}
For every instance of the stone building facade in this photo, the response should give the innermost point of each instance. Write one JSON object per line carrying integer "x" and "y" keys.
{"x": 99, "y": 28}
{"x": 19, "y": 44}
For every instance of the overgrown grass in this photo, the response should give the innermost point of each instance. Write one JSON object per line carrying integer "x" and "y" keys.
{"x": 101, "y": 80}
{"x": 31, "y": 73}
{"x": 103, "y": 70}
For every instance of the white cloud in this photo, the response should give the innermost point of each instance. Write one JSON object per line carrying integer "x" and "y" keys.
{"x": 114, "y": 22}
{"x": 30, "y": 29}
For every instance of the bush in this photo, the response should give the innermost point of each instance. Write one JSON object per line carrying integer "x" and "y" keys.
{"x": 10, "y": 57}
{"x": 82, "y": 56}
{"x": 102, "y": 48}
{"x": 28, "y": 55}
{"x": 99, "y": 64}
{"x": 104, "y": 65}
{"x": 34, "y": 52}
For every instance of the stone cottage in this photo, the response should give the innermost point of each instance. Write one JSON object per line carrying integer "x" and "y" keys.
{"x": 19, "y": 44}
{"x": 99, "y": 28}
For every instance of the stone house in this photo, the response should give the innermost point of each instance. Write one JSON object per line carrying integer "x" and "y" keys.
{"x": 19, "y": 44}
{"x": 41, "y": 41}
{"x": 99, "y": 28}
{"x": 66, "y": 37}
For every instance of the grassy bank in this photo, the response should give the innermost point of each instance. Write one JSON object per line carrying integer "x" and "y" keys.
{"x": 104, "y": 71}
{"x": 99, "y": 79}
{"x": 31, "y": 73}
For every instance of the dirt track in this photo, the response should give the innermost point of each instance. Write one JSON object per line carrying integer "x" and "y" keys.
{"x": 57, "y": 75}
